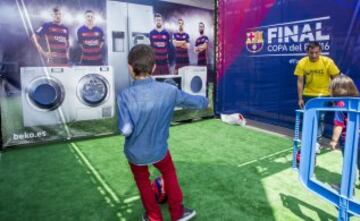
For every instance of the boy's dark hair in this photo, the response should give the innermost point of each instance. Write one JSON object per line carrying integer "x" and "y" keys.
{"x": 343, "y": 86}
{"x": 201, "y": 23}
{"x": 313, "y": 44}
{"x": 142, "y": 59}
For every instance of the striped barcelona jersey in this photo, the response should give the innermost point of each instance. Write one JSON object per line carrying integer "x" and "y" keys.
{"x": 56, "y": 37}
{"x": 160, "y": 44}
{"x": 182, "y": 56}
{"x": 91, "y": 41}
{"x": 202, "y": 56}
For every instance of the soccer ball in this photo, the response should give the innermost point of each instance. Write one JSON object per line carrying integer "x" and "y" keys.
{"x": 159, "y": 190}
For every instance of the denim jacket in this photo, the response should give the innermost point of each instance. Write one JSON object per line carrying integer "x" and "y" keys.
{"x": 145, "y": 110}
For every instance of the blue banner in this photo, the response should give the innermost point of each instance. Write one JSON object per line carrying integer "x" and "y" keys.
{"x": 260, "y": 43}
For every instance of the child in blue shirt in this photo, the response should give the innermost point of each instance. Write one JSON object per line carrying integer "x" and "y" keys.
{"x": 145, "y": 111}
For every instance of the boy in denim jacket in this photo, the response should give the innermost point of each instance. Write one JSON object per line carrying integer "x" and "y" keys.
{"x": 145, "y": 112}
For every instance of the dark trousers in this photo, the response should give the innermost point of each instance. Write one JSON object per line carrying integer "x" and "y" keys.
{"x": 321, "y": 119}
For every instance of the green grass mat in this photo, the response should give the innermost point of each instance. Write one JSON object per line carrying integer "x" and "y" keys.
{"x": 228, "y": 173}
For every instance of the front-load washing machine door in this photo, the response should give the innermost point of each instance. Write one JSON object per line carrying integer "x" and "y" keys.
{"x": 45, "y": 94}
{"x": 93, "y": 90}
{"x": 196, "y": 84}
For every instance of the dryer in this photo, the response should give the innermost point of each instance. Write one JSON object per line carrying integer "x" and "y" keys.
{"x": 44, "y": 94}
{"x": 93, "y": 93}
{"x": 56, "y": 95}
{"x": 194, "y": 79}
{"x": 175, "y": 80}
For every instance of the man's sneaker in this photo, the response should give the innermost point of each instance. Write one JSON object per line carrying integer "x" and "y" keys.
{"x": 188, "y": 214}
{"x": 144, "y": 218}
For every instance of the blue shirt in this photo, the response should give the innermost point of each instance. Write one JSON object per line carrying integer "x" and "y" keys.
{"x": 145, "y": 112}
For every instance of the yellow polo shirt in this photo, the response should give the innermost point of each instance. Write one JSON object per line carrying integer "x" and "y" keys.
{"x": 317, "y": 75}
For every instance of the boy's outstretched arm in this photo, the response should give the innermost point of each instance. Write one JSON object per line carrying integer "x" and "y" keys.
{"x": 189, "y": 101}
{"x": 125, "y": 124}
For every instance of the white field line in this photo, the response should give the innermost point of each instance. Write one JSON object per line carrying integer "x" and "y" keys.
{"x": 265, "y": 157}
{"x": 266, "y": 131}
{"x": 131, "y": 199}
{"x": 98, "y": 177}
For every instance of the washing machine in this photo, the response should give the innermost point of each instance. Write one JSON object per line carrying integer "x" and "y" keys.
{"x": 57, "y": 95}
{"x": 175, "y": 80}
{"x": 93, "y": 93}
{"x": 44, "y": 95}
{"x": 194, "y": 79}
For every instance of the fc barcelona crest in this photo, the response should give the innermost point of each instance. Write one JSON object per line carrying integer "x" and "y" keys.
{"x": 254, "y": 41}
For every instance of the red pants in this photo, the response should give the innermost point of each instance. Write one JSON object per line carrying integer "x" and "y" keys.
{"x": 172, "y": 188}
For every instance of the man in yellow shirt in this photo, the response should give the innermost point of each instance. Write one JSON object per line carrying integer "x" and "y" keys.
{"x": 317, "y": 71}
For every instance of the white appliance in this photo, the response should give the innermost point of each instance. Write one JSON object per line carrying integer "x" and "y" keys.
{"x": 94, "y": 93}
{"x": 194, "y": 79}
{"x": 44, "y": 95}
{"x": 175, "y": 80}
{"x": 128, "y": 24}
{"x": 139, "y": 27}
{"x": 57, "y": 95}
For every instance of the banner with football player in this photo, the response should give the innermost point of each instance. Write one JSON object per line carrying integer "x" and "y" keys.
{"x": 63, "y": 62}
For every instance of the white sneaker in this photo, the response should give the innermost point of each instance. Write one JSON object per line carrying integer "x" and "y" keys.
{"x": 188, "y": 214}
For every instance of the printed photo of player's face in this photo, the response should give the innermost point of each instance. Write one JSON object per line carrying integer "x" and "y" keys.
{"x": 181, "y": 25}
{"x": 201, "y": 28}
{"x": 57, "y": 16}
{"x": 158, "y": 22}
{"x": 90, "y": 18}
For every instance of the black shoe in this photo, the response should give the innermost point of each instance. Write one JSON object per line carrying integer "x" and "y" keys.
{"x": 144, "y": 218}
{"x": 188, "y": 214}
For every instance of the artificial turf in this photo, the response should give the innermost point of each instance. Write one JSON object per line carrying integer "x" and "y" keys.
{"x": 227, "y": 173}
